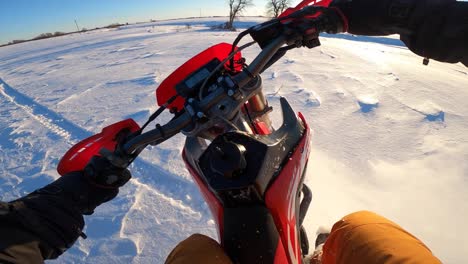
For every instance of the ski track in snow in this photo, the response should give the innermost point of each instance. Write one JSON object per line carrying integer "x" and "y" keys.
{"x": 386, "y": 131}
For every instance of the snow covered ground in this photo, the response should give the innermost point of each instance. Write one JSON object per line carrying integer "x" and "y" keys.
{"x": 389, "y": 134}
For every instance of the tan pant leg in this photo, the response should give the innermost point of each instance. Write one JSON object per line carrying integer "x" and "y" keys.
{"x": 365, "y": 237}
{"x": 198, "y": 249}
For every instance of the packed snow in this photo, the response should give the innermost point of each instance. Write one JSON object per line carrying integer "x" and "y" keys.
{"x": 390, "y": 135}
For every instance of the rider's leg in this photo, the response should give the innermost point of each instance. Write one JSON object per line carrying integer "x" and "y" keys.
{"x": 365, "y": 237}
{"x": 198, "y": 249}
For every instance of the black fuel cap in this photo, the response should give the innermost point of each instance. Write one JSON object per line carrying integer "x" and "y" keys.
{"x": 228, "y": 159}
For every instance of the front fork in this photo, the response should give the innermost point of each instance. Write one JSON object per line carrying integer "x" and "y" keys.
{"x": 257, "y": 110}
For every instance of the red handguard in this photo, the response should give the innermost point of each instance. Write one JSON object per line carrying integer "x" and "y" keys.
{"x": 80, "y": 154}
{"x": 303, "y": 4}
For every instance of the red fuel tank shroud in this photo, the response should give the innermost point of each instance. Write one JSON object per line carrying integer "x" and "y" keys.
{"x": 281, "y": 198}
{"x": 79, "y": 155}
{"x": 215, "y": 205}
{"x": 167, "y": 88}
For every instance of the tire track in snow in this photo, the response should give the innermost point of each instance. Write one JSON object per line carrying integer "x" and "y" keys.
{"x": 168, "y": 187}
{"x": 168, "y": 183}
{"x": 56, "y": 123}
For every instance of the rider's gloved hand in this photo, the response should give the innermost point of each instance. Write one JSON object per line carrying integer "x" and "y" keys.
{"x": 374, "y": 17}
{"x": 385, "y": 17}
{"x": 103, "y": 174}
{"x": 439, "y": 30}
{"x": 333, "y": 21}
{"x": 97, "y": 184}
{"x": 55, "y": 212}
{"x": 430, "y": 28}
{"x": 308, "y": 23}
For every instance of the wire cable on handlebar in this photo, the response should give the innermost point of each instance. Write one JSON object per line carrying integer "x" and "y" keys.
{"x": 246, "y": 32}
{"x": 202, "y": 88}
{"x": 236, "y": 41}
{"x": 249, "y": 30}
{"x": 157, "y": 113}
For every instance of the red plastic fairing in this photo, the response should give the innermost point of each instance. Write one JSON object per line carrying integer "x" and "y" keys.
{"x": 281, "y": 198}
{"x": 167, "y": 88}
{"x": 280, "y": 255}
{"x": 215, "y": 205}
{"x": 303, "y": 4}
{"x": 79, "y": 155}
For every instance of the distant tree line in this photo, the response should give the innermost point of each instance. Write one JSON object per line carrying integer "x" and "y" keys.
{"x": 236, "y": 7}
{"x": 41, "y": 36}
{"x": 58, "y": 33}
{"x": 274, "y": 8}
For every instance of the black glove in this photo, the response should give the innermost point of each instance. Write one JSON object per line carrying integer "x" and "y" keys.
{"x": 385, "y": 17}
{"x": 86, "y": 190}
{"x": 55, "y": 212}
{"x": 436, "y": 29}
{"x": 102, "y": 173}
{"x": 439, "y": 31}
{"x": 375, "y": 17}
{"x": 331, "y": 20}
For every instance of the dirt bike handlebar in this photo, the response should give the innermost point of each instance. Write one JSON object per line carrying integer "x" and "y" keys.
{"x": 173, "y": 127}
{"x": 289, "y": 33}
{"x": 157, "y": 135}
{"x": 259, "y": 62}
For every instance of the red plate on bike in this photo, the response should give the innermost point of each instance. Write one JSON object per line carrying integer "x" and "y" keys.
{"x": 167, "y": 88}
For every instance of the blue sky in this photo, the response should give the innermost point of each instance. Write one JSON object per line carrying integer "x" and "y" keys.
{"x": 24, "y": 19}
